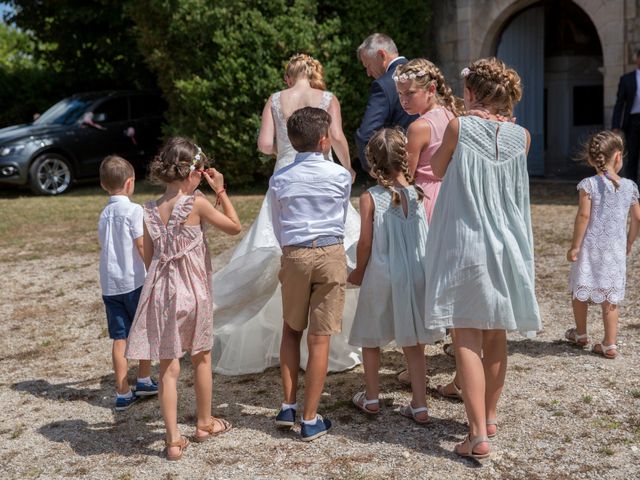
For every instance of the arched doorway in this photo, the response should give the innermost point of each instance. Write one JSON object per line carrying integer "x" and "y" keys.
{"x": 555, "y": 47}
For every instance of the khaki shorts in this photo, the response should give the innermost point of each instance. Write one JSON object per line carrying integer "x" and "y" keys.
{"x": 313, "y": 283}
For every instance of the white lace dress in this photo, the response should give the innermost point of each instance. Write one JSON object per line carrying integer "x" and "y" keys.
{"x": 246, "y": 291}
{"x": 599, "y": 274}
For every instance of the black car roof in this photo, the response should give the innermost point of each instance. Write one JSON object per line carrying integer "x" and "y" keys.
{"x": 110, "y": 93}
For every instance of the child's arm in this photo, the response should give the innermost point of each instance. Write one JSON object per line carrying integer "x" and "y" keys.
{"x": 227, "y": 220}
{"x": 418, "y": 138}
{"x": 441, "y": 159}
{"x": 338, "y": 140}
{"x": 139, "y": 243}
{"x": 147, "y": 253}
{"x": 635, "y": 226}
{"x": 580, "y": 225}
{"x": 267, "y": 131}
{"x": 363, "y": 251}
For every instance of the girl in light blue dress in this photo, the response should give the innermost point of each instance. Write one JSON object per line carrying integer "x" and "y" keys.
{"x": 480, "y": 246}
{"x": 391, "y": 271}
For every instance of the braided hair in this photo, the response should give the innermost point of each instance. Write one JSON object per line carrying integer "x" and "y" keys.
{"x": 495, "y": 84}
{"x": 423, "y": 74}
{"x": 599, "y": 149}
{"x": 386, "y": 153}
{"x": 303, "y": 65}
{"x": 176, "y": 160}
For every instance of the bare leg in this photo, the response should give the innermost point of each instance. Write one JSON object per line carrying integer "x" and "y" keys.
{"x": 417, "y": 374}
{"x": 494, "y": 346}
{"x": 610, "y": 318}
{"x": 203, "y": 385}
{"x": 120, "y": 366}
{"x": 468, "y": 347}
{"x": 168, "y": 395}
{"x": 371, "y": 363}
{"x": 289, "y": 362}
{"x": 316, "y": 372}
{"x": 144, "y": 368}
{"x": 580, "y": 315}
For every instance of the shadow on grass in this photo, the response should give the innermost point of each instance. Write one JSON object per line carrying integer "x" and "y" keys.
{"x": 102, "y": 397}
{"x": 539, "y": 348}
{"x": 125, "y": 437}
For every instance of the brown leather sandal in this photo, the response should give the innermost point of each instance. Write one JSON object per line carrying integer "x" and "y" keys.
{"x": 183, "y": 443}
{"x": 213, "y": 421}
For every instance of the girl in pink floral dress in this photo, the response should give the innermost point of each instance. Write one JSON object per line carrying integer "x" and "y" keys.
{"x": 174, "y": 315}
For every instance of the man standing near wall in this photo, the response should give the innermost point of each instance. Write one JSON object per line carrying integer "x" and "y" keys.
{"x": 379, "y": 56}
{"x": 626, "y": 117}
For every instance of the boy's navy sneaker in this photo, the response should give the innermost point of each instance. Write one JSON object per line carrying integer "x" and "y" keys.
{"x": 146, "y": 389}
{"x": 311, "y": 432}
{"x": 286, "y": 417}
{"x": 123, "y": 403}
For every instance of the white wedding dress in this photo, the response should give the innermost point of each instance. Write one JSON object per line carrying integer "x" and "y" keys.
{"x": 247, "y": 317}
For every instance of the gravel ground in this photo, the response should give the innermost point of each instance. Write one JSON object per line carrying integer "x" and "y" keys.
{"x": 565, "y": 413}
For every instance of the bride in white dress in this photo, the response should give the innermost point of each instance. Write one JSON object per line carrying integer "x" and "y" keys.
{"x": 248, "y": 304}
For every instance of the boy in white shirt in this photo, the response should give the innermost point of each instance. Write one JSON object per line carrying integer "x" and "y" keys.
{"x": 122, "y": 273}
{"x": 309, "y": 201}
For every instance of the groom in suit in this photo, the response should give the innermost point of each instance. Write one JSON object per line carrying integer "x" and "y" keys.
{"x": 379, "y": 56}
{"x": 626, "y": 117}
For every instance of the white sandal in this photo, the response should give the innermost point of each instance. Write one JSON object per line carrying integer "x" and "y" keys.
{"x": 410, "y": 412}
{"x": 605, "y": 349}
{"x": 361, "y": 402}
{"x": 577, "y": 339}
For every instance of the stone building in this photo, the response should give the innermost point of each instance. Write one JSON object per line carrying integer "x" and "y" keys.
{"x": 570, "y": 55}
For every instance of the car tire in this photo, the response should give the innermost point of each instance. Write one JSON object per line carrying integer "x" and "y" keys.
{"x": 50, "y": 174}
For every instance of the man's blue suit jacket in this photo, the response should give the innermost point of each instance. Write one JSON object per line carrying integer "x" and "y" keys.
{"x": 383, "y": 110}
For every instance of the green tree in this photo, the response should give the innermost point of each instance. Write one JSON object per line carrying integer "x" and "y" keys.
{"x": 89, "y": 43}
{"x": 218, "y": 62}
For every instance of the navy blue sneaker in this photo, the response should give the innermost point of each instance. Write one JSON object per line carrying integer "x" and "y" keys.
{"x": 123, "y": 404}
{"x": 311, "y": 432}
{"x": 146, "y": 389}
{"x": 286, "y": 418}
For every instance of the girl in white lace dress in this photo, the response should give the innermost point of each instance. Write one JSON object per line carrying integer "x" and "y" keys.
{"x": 600, "y": 242}
{"x": 248, "y": 303}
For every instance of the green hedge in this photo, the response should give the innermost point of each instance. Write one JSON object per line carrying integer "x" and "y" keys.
{"x": 218, "y": 62}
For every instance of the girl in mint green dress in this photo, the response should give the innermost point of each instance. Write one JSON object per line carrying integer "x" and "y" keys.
{"x": 391, "y": 271}
{"x": 480, "y": 244}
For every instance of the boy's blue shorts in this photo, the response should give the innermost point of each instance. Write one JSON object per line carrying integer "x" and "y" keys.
{"x": 121, "y": 310}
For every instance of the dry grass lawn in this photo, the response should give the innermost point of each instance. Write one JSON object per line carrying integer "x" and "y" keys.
{"x": 565, "y": 413}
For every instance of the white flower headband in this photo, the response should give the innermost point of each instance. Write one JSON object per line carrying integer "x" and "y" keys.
{"x": 465, "y": 72}
{"x": 409, "y": 76}
{"x": 196, "y": 159}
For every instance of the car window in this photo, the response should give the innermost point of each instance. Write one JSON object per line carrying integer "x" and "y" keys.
{"x": 143, "y": 106}
{"x": 113, "y": 110}
{"x": 65, "y": 112}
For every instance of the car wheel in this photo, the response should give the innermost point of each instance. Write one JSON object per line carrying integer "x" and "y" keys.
{"x": 50, "y": 174}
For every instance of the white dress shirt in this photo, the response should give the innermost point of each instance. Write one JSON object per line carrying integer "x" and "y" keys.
{"x": 635, "y": 108}
{"x": 309, "y": 199}
{"x": 121, "y": 267}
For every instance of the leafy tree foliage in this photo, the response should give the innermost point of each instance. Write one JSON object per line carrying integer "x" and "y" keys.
{"x": 216, "y": 62}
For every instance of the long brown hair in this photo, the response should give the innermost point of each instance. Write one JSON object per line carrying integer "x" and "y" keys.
{"x": 424, "y": 73}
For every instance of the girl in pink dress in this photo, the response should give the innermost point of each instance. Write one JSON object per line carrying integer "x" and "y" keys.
{"x": 174, "y": 314}
{"x": 422, "y": 91}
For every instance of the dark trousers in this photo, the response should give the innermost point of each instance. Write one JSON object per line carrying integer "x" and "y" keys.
{"x": 632, "y": 139}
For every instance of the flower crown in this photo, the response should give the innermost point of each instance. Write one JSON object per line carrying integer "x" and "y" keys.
{"x": 409, "y": 76}
{"x": 465, "y": 72}
{"x": 196, "y": 158}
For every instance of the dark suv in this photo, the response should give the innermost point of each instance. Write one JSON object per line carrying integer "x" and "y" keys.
{"x": 69, "y": 140}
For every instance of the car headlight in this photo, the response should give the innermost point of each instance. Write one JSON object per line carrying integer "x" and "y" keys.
{"x": 4, "y": 151}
